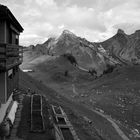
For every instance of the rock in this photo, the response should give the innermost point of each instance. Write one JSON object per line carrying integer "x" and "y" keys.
{"x": 87, "y": 119}
{"x": 120, "y": 31}
{"x": 100, "y": 110}
{"x": 82, "y": 95}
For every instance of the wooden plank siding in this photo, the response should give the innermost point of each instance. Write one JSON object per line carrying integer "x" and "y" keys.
{"x": 2, "y": 31}
{"x": 10, "y": 55}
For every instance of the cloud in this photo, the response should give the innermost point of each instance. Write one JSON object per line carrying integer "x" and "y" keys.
{"x": 61, "y": 26}
{"x": 45, "y": 2}
{"x": 103, "y": 5}
{"x": 83, "y": 3}
{"x": 32, "y": 13}
{"x": 129, "y": 28}
{"x": 93, "y": 19}
{"x": 81, "y": 17}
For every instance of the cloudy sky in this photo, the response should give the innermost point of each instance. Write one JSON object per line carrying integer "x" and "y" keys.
{"x": 95, "y": 20}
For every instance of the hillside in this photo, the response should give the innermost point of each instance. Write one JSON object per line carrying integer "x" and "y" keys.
{"x": 121, "y": 49}
{"x": 106, "y": 95}
{"x": 116, "y": 93}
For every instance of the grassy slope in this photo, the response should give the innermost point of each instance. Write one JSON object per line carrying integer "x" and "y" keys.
{"x": 75, "y": 112}
{"x": 117, "y": 93}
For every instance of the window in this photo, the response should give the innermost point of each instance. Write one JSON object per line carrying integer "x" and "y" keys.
{"x": 10, "y": 36}
{"x": 10, "y": 72}
{"x": 17, "y": 39}
{"x": 14, "y": 71}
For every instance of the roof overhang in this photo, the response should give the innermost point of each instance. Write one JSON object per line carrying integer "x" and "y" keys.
{"x": 6, "y": 14}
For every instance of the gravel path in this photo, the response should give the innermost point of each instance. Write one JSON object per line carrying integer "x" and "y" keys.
{"x": 116, "y": 127}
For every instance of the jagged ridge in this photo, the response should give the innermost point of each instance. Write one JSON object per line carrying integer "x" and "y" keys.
{"x": 119, "y": 49}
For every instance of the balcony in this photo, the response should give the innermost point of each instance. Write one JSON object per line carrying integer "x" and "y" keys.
{"x": 10, "y": 55}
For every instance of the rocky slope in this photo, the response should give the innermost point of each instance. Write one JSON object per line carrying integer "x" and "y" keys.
{"x": 88, "y": 56}
{"x": 123, "y": 47}
{"x": 98, "y": 57}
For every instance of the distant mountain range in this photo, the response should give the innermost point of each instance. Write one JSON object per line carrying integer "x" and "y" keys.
{"x": 121, "y": 49}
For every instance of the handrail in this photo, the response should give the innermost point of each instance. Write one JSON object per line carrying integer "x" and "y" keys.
{"x": 7, "y": 44}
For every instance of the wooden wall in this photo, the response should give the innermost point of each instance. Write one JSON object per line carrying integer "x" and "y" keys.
{"x": 12, "y": 80}
{"x": 8, "y": 34}
{"x": 2, "y": 87}
{"x": 2, "y": 31}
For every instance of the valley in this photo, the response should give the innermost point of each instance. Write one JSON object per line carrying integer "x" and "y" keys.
{"x": 115, "y": 95}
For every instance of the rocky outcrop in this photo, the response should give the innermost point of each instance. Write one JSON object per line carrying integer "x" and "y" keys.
{"x": 88, "y": 55}
{"x": 120, "y": 49}
{"x": 124, "y": 48}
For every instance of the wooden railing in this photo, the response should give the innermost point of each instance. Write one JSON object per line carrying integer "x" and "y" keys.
{"x": 10, "y": 55}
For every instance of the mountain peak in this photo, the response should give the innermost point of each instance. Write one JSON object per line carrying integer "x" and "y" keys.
{"x": 120, "y": 31}
{"x": 49, "y": 40}
{"x": 67, "y": 32}
{"x": 137, "y": 32}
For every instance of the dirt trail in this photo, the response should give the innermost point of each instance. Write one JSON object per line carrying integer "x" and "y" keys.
{"x": 116, "y": 127}
{"x": 81, "y": 68}
{"x": 74, "y": 89}
{"x": 107, "y": 127}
